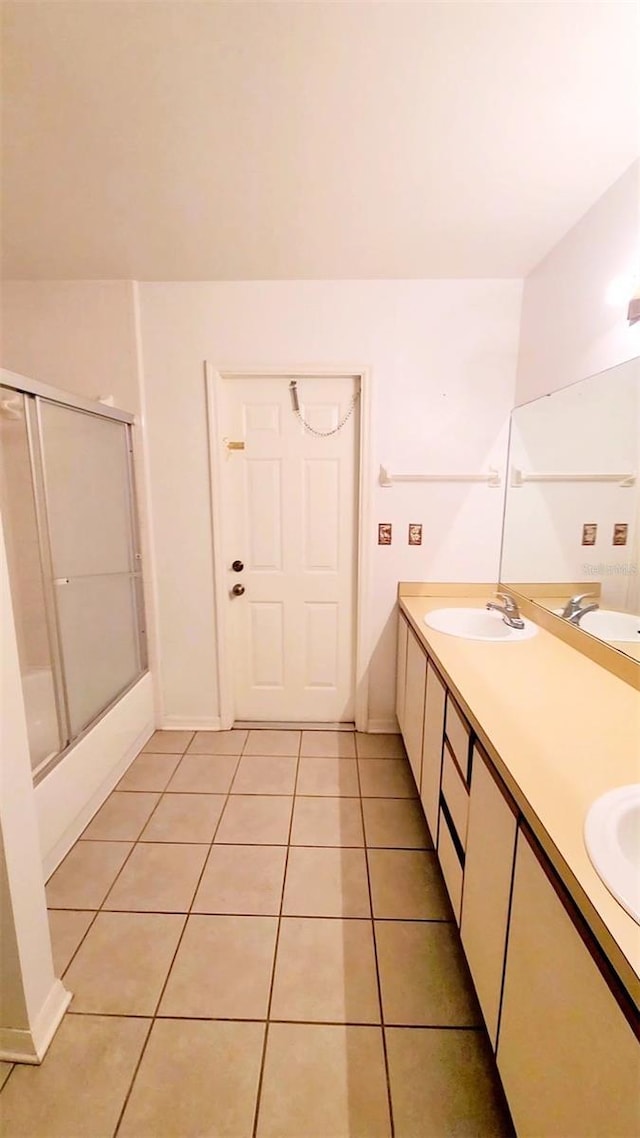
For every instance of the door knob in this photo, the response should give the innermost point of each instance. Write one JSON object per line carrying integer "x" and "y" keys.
{"x": 237, "y": 590}
{"x": 237, "y": 566}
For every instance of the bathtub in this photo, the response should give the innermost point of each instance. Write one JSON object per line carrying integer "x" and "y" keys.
{"x": 42, "y": 719}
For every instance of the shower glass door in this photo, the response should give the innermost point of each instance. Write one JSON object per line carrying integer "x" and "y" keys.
{"x": 32, "y": 618}
{"x": 95, "y": 565}
{"x": 68, "y": 515}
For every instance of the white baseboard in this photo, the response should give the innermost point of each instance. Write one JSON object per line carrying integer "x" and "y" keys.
{"x": 31, "y": 1046}
{"x": 383, "y": 726}
{"x": 180, "y": 723}
{"x": 190, "y": 723}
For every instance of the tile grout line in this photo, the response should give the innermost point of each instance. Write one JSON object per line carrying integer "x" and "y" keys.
{"x": 210, "y": 845}
{"x": 80, "y": 942}
{"x": 139, "y": 840}
{"x": 298, "y": 916}
{"x": 275, "y": 950}
{"x": 473, "y": 1028}
{"x": 120, "y": 841}
{"x": 375, "y": 954}
{"x": 13, "y": 1067}
{"x": 135, "y": 841}
{"x": 154, "y": 1016}
{"x": 97, "y": 911}
{"x": 477, "y": 1029}
{"x": 269, "y": 845}
{"x": 53, "y": 908}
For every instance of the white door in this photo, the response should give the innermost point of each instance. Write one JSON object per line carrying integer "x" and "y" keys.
{"x": 290, "y": 500}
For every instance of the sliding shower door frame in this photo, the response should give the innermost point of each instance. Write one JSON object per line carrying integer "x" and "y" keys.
{"x": 65, "y": 398}
{"x": 32, "y": 419}
{"x": 136, "y": 547}
{"x": 41, "y": 392}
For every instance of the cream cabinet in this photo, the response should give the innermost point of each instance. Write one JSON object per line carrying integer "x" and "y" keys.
{"x": 401, "y": 669}
{"x": 490, "y": 851}
{"x": 432, "y": 739}
{"x": 568, "y": 1058}
{"x": 415, "y": 685}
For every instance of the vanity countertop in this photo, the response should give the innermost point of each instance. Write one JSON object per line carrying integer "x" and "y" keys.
{"x": 561, "y": 731}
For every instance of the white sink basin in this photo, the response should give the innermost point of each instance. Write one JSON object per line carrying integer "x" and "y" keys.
{"x": 611, "y": 625}
{"x": 477, "y": 624}
{"x": 612, "y": 838}
{"x": 608, "y": 624}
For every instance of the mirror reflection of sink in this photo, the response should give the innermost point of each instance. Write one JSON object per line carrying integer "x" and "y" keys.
{"x": 477, "y": 624}
{"x": 612, "y": 838}
{"x": 610, "y": 625}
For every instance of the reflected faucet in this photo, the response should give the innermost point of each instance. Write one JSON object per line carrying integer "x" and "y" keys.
{"x": 509, "y": 610}
{"x": 574, "y": 609}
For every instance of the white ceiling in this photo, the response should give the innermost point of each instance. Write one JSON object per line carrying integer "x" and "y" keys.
{"x": 194, "y": 140}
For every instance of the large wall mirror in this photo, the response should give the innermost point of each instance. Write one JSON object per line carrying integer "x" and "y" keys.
{"x": 572, "y": 511}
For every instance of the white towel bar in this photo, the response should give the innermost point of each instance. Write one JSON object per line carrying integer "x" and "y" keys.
{"x": 518, "y": 478}
{"x": 492, "y": 478}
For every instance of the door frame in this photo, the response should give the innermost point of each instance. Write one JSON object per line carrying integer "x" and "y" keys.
{"x": 214, "y": 378}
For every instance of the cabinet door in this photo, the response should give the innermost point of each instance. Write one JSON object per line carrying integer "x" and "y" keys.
{"x": 491, "y": 840}
{"x": 450, "y": 864}
{"x": 414, "y": 703}
{"x": 432, "y": 749}
{"x": 401, "y": 668}
{"x": 569, "y": 1061}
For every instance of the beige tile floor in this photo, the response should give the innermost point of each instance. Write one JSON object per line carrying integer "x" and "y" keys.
{"x": 259, "y": 944}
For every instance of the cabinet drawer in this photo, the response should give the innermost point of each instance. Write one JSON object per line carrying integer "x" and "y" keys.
{"x": 450, "y": 865}
{"x": 456, "y": 796}
{"x": 458, "y": 733}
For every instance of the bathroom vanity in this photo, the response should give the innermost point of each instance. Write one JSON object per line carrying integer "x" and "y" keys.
{"x": 509, "y": 744}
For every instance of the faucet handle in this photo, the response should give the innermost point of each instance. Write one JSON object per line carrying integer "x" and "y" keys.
{"x": 509, "y": 601}
{"x": 573, "y": 604}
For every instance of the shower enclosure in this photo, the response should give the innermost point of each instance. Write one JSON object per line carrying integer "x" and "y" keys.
{"x": 70, "y": 529}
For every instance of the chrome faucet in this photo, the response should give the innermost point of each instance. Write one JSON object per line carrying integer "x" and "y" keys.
{"x": 509, "y": 610}
{"x": 574, "y": 609}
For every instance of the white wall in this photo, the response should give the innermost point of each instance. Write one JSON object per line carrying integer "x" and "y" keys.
{"x": 442, "y": 356}
{"x": 77, "y": 335}
{"x": 575, "y": 302}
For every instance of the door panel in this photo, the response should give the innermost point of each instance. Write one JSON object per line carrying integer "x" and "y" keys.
{"x": 290, "y": 515}
{"x": 321, "y": 644}
{"x": 321, "y": 514}
{"x": 262, "y": 417}
{"x": 264, "y": 514}
{"x": 266, "y": 654}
